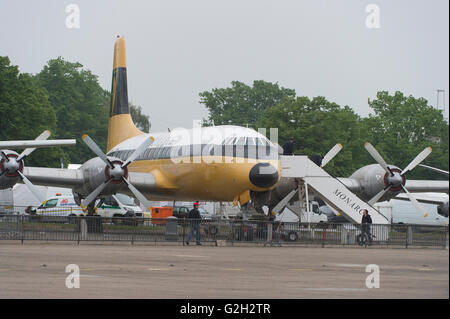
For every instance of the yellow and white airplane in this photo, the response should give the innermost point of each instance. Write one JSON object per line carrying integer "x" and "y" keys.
{"x": 220, "y": 163}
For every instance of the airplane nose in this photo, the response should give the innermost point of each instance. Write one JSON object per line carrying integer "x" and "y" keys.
{"x": 263, "y": 175}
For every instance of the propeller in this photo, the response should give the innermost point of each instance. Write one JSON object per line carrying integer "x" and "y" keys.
{"x": 395, "y": 179}
{"x": 116, "y": 171}
{"x": 331, "y": 154}
{"x": 13, "y": 166}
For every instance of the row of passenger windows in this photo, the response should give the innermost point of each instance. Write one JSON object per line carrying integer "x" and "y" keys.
{"x": 246, "y": 151}
{"x": 245, "y": 141}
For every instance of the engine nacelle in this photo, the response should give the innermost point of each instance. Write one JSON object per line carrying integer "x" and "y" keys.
{"x": 9, "y": 174}
{"x": 373, "y": 178}
{"x": 95, "y": 173}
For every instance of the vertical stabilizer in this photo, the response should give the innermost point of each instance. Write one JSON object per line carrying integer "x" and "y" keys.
{"x": 121, "y": 126}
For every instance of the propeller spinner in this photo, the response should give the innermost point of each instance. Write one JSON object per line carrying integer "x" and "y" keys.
{"x": 395, "y": 179}
{"x": 11, "y": 165}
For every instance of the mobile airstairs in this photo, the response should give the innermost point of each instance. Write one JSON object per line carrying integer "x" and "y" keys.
{"x": 335, "y": 194}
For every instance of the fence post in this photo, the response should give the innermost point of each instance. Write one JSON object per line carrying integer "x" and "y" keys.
{"x": 445, "y": 237}
{"x": 21, "y": 227}
{"x": 134, "y": 230}
{"x": 232, "y": 232}
{"x": 408, "y": 235}
{"x": 324, "y": 237}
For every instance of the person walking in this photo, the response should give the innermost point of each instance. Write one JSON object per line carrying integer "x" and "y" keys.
{"x": 195, "y": 217}
{"x": 365, "y": 225}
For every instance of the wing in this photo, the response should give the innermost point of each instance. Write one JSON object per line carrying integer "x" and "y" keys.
{"x": 424, "y": 186}
{"x": 435, "y": 199}
{"x": 74, "y": 178}
{"x": 54, "y": 177}
{"x": 35, "y": 144}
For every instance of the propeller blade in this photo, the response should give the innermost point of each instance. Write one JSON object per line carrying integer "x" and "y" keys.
{"x": 331, "y": 154}
{"x": 94, "y": 194}
{"x": 418, "y": 206}
{"x": 32, "y": 188}
{"x": 94, "y": 147}
{"x": 377, "y": 157}
{"x": 138, "y": 194}
{"x": 44, "y": 135}
{"x": 141, "y": 148}
{"x": 4, "y": 156}
{"x": 419, "y": 158}
{"x": 435, "y": 169}
{"x": 375, "y": 199}
{"x": 279, "y": 207}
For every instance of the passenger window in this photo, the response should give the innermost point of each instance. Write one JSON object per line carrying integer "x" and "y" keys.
{"x": 241, "y": 141}
{"x": 51, "y": 203}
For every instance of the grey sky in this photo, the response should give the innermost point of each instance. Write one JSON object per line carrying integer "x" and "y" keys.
{"x": 177, "y": 49}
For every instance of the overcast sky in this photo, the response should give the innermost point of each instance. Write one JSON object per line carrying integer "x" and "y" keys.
{"x": 179, "y": 48}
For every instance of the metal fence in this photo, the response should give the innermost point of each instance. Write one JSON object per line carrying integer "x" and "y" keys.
{"x": 216, "y": 232}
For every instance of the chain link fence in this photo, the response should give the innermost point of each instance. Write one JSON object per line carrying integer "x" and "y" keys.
{"x": 216, "y": 232}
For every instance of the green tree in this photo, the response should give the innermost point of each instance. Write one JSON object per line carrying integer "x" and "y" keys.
{"x": 81, "y": 105}
{"x": 242, "y": 104}
{"x": 141, "y": 120}
{"x": 25, "y": 112}
{"x": 317, "y": 125}
{"x": 402, "y": 126}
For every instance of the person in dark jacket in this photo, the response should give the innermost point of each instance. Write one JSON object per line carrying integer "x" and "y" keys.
{"x": 288, "y": 148}
{"x": 365, "y": 224}
{"x": 195, "y": 217}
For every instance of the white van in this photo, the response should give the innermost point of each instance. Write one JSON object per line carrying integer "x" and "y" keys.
{"x": 63, "y": 205}
{"x": 119, "y": 205}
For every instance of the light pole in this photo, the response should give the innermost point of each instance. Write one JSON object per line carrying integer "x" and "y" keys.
{"x": 437, "y": 99}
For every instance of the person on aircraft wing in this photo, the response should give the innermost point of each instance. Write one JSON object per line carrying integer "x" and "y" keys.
{"x": 195, "y": 217}
{"x": 288, "y": 148}
{"x": 365, "y": 223}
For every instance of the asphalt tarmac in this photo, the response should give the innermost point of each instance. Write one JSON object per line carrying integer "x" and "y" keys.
{"x": 38, "y": 270}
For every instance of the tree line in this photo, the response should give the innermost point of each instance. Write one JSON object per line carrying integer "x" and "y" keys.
{"x": 399, "y": 128}
{"x": 63, "y": 98}
{"x": 68, "y": 100}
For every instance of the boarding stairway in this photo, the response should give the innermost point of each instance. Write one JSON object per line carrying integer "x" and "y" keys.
{"x": 330, "y": 189}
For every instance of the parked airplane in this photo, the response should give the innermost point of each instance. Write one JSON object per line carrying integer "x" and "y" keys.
{"x": 220, "y": 163}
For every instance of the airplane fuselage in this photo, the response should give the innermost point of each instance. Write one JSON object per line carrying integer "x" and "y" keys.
{"x": 210, "y": 163}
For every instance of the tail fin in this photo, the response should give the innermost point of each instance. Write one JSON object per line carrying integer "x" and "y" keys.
{"x": 121, "y": 126}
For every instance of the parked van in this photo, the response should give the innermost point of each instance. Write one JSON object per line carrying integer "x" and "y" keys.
{"x": 119, "y": 205}
{"x": 63, "y": 205}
